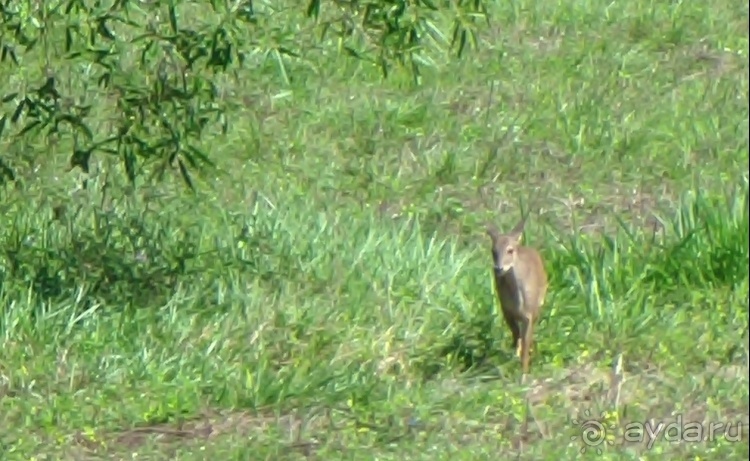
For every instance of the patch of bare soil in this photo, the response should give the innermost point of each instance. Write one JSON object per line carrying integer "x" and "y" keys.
{"x": 558, "y": 207}
{"x": 701, "y": 61}
{"x": 635, "y": 409}
{"x": 559, "y": 407}
{"x": 166, "y": 438}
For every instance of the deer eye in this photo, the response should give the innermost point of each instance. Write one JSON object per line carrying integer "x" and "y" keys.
{"x": 509, "y": 251}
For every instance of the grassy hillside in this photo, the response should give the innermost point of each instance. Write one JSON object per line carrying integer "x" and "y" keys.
{"x": 326, "y": 293}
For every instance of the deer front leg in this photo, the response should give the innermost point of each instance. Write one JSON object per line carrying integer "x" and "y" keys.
{"x": 527, "y": 332}
{"x": 515, "y": 331}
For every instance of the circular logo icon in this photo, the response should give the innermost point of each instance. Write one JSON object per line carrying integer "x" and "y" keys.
{"x": 593, "y": 433}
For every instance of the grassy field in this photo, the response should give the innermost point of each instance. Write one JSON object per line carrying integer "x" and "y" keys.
{"x": 327, "y": 292}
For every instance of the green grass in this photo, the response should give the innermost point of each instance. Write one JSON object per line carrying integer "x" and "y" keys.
{"x": 328, "y": 291}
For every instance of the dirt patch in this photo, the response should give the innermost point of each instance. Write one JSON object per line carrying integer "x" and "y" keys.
{"x": 559, "y": 405}
{"x": 199, "y": 431}
{"x": 702, "y": 61}
{"x": 622, "y": 404}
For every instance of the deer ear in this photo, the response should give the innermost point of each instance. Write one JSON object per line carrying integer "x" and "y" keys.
{"x": 517, "y": 232}
{"x": 492, "y": 232}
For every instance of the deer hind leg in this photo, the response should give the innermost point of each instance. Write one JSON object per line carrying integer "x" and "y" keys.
{"x": 519, "y": 348}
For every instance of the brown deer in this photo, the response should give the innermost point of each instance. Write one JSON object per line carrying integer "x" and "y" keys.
{"x": 521, "y": 285}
